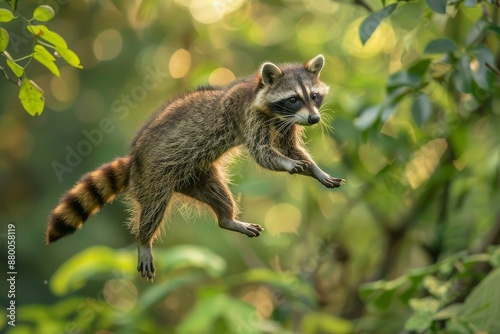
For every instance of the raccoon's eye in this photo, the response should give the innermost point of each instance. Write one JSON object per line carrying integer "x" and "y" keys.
{"x": 314, "y": 96}
{"x": 293, "y": 100}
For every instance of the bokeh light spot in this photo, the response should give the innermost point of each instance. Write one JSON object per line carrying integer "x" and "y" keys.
{"x": 179, "y": 63}
{"x": 108, "y": 44}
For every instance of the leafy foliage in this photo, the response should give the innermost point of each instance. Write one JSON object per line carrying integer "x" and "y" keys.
{"x": 30, "y": 94}
{"x": 432, "y": 294}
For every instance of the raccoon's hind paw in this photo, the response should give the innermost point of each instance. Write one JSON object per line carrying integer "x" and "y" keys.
{"x": 145, "y": 265}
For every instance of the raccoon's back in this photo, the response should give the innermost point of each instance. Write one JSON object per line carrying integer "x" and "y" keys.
{"x": 190, "y": 132}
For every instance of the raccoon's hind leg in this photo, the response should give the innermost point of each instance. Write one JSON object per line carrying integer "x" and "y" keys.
{"x": 209, "y": 188}
{"x": 151, "y": 217}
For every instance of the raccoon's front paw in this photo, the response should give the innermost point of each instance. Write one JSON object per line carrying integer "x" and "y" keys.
{"x": 299, "y": 166}
{"x": 251, "y": 230}
{"x": 330, "y": 181}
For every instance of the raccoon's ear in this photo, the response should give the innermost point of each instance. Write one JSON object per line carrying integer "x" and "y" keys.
{"x": 270, "y": 73}
{"x": 316, "y": 64}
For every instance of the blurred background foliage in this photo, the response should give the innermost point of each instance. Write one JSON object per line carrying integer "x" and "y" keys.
{"x": 407, "y": 245}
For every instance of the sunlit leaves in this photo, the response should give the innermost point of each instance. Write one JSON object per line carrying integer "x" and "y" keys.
{"x": 43, "y": 13}
{"x": 6, "y": 15}
{"x": 191, "y": 256}
{"x": 70, "y": 57}
{"x": 15, "y": 67}
{"x": 479, "y": 310}
{"x": 75, "y": 272}
{"x": 4, "y": 39}
{"x": 18, "y": 70}
{"x": 59, "y": 43}
{"x": 288, "y": 284}
{"x": 220, "y": 313}
{"x": 41, "y": 31}
{"x": 439, "y": 6}
{"x": 31, "y": 97}
{"x": 46, "y": 59}
{"x": 424, "y": 310}
{"x": 372, "y": 21}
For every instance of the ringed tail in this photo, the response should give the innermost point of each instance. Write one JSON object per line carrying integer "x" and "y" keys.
{"x": 86, "y": 198}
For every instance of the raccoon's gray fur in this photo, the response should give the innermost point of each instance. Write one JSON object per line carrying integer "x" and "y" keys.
{"x": 180, "y": 149}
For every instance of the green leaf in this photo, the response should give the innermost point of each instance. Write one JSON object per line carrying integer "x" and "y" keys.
{"x": 4, "y": 39}
{"x": 437, "y": 288}
{"x": 289, "y": 284}
{"x": 372, "y": 21}
{"x": 482, "y": 306}
{"x": 41, "y": 31}
{"x": 482, "y": 74}
{"x": 43, "y": 13}
{"x": 420, "y": 67}
{"x": 462, "y": 76}
{"x": 424, "y": 309}
{"x": 413, "y": 77}
{"x": 316, "y": 322}
{"x": 441, "y": 45}
{"x": 18, "y": 70}
{"x": 421, "y": 109}
{"x": 187, "y": 256}
{"x": 160, "y": 291}
{"x": 470, "y": 3}
{"x": 439, "y": 6}
{"x": 379, "y": 294}
{"x": 70, "y": 57}
{"x": 477, "y": 31}
{"x": 448, "y": 312}
{"x": 46, "y": 59}
{"x": 208, "y": 313}
{"x": 93, "y": 261}
{"x": 472, "y": 260}
{"x": 367, "y": 117}
{"x": 31, "y": 97}
{"x": 6, "y": 15}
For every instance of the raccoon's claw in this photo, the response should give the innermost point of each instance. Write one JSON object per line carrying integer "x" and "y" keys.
{"x": 250, "y": 230}
{"x": 299, "y": 166}
{"x": 147, "y": 270}
{"x": 145, "y": 265}
{"x": 255, "y": 229}
{"x": 331, "y": 182}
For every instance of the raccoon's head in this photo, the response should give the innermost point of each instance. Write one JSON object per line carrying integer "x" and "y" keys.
{"x": 292, "y": 92}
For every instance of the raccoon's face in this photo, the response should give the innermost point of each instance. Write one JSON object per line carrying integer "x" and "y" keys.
{"x": 294, "y": 92}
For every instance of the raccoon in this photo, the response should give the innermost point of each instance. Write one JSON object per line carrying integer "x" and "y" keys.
{"x": 181, "y": 148}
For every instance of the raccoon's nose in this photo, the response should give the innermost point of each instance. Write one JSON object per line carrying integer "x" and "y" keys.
{"x": 313, "y": 119}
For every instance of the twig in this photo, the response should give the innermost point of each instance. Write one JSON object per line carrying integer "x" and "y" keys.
{"x": 6, "y": 75}
{"x": 363, "y": 4}
{"x": 492, "y": 69}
